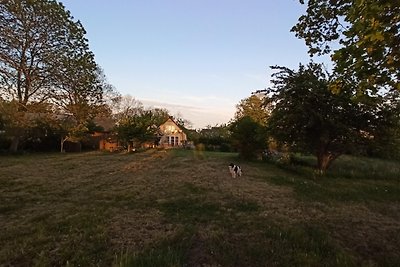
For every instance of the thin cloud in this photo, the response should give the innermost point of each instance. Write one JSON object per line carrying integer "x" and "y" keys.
{"x": 157, "y": 104}
{"x": 199, "y": 116}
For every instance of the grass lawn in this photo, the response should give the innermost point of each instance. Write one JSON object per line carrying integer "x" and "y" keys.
{"x": 181, "y": 208}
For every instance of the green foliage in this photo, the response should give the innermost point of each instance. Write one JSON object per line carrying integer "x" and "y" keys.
{"x": 214, "y": 138}
{"x": 386, "y": 141}
{"x": 138, "y": 128}
{"x": 308, "y": 117}
{"x": 93, "y": 127}
{"x": 138, "y": 125}
{"x": 34, "y": 129}
{"x": 248, "y": 137}
{"x": 254, "y": 108}
{"x": 44, "y": 46}
{"x": 45, "y": 58}
{"x": 364, "y": 37}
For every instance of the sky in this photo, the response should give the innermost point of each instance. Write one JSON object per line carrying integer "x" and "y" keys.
{"x": 197, "y": 58}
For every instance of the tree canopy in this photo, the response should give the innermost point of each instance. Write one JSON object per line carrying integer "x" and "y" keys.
{"x": 308, "y": 117}
{"x": 45, "y": 58}
{"x": 40, "y": 45}
{"x": 363, "y": 37}
{"x": 135, "y": 124}
{"x": 254, "y": 108}
{"x": 248, "y": 137}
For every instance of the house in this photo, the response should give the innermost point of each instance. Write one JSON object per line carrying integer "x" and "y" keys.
{"x": 171, "y": 134}
{"x": 107, "y": 141}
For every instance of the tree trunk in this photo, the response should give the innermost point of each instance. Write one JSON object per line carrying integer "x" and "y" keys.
{"x": 62, "y": 143}
{"x": 325, "y": 159}
{"x": 14, "y": 144}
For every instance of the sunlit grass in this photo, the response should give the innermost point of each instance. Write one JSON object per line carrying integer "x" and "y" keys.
{"x": 182, "y": 208}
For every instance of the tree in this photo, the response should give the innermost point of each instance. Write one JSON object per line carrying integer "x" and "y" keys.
{"x": 22, "y": 124}
{"x": 363, "y": 37}
{"x": 44, "y": 57}
{"x": 127, "y": 106}
{"x": 138, "y": 129}
{"x": 386, "y": 141}
{"x": 248, "y": 137}
{"x": 136, "y": 125}
{"x": 182, "y": 122}
{"x": 308, "y": 117}
{"x": 80, "y": 98}
{"x": 214, "y": 138}
{"x": 37, "y": 37}
{"x": 248, "y": 133}
{"x": 254, "y": 108}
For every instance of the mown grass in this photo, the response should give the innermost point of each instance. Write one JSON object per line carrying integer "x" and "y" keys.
{"x": 181, "y": 208}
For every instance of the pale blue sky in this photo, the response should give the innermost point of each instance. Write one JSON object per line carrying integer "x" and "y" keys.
{"x": 198, "y": 58}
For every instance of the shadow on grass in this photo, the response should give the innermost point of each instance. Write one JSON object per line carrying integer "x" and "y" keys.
{"x": 341, "y": 190}
{"x": 244, "y": 244}
{"x": 168, "y": 252}
{"x": 276, "y": 246}
{"x": 55, "y": 240}
{"x": 349, "y": 179}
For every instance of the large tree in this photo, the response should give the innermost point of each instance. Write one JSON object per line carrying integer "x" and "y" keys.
{"x": 248, "y": 137}
{"x": 138, "y": 129}
{"x": 363, "y": 37}
{"x": 254, "y": 108}
{"x": 36, "y": 39}
{"x": 80, "y": 97}
{"x": 135, "y": 124}
{"x": 45, "y": 57}
{"x": 308, "y": 117}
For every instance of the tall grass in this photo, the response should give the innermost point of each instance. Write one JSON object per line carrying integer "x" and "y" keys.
{"x": 350, "y": 178}
{"x": 365, "y": 168}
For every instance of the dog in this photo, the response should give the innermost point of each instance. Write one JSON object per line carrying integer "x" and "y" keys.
{"x": 235, "y": 170}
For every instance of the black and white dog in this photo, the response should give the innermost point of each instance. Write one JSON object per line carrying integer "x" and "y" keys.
{"x": 235, "y": 170}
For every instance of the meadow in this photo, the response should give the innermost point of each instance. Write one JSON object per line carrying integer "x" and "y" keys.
{"x": 182, "y": 208}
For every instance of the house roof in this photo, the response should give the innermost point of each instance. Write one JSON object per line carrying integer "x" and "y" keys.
{"x": 178, "y": 127}
{"x": 171, "y": 119}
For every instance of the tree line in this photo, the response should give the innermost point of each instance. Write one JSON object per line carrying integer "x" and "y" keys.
{"x": 52, "y": 88}
{"x": 47, "y": 72}
{"x": 354, "y": 108}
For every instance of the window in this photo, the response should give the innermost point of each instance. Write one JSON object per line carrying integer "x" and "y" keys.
{"x": 170, "y": 128}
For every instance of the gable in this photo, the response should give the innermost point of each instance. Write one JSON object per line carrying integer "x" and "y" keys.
{"x": 170, "y": 127}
